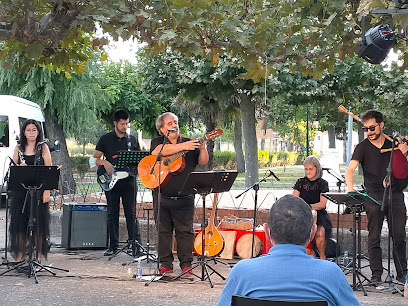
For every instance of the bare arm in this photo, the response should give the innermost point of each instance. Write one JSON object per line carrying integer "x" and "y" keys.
{"x": 102, "y": 162}
{"x": 15, "y": 155}
{"x": 172, "y": 148}
{"x": 349, "y": 174}
{"x": 316, "y": 206}
{"x": 46, "y": 154}
{"x": 203, "y": 157}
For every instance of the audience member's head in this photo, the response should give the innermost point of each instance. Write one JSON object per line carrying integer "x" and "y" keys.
{"x": 290, "y": 221}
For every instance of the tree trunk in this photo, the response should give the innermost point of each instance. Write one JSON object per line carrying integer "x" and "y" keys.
{"x": 61, "y": 158}
{"x": 250, "y": 142}
{"x": 239, "y": 153}
{"x": 332, "y": 137}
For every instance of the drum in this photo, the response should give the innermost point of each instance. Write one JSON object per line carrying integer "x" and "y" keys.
{"x": 244, "y": 243}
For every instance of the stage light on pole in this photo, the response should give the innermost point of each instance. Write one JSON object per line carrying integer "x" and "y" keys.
{"x": 376, "y": 43}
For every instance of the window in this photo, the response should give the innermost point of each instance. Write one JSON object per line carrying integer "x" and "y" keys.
{"x": 4, "y": 131}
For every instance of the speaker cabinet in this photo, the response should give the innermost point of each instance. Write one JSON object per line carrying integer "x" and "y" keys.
{"x": 84, "y": 225}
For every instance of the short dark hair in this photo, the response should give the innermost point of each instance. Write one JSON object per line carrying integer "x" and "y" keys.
{"x": 120, "y": 114}
{"x": 290, "y": 220}
{"x": 372, "y": 113}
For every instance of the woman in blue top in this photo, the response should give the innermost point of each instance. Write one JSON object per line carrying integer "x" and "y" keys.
{"x": 310, "y": 188}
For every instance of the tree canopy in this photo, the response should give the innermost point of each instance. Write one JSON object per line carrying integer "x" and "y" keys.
{"x": 260, "y": 34}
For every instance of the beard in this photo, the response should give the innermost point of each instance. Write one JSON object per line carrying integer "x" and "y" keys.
{"x": 374, "y": 136}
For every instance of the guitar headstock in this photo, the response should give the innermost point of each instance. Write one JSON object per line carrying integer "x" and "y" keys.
{"x": 343, "y": 109}
{"x": 213, "y": 134}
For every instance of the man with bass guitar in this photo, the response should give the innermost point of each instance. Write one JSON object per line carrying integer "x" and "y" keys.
{"x": 109, "y": 145}
{"x": 176, "y": 210}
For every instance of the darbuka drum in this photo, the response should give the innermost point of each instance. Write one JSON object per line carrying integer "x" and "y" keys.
{"x": 244, "y": 243}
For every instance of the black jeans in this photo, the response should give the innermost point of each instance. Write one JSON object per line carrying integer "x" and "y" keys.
{"x": 396, "y": 224}
{"x": 177, "y": 215}
{"x": 124, "y": 189}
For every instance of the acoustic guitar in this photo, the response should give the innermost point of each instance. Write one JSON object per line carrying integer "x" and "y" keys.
{"x": 174, "y": 164}
{"x": 214, "y": 243}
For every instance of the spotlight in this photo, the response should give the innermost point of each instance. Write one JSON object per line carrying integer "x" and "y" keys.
{"x": 376, "y": 43}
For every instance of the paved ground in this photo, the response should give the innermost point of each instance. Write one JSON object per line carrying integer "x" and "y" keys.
{"x": 93, "y": 280}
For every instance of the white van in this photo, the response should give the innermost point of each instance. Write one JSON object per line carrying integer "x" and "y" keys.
{"x": 13, "y": 112}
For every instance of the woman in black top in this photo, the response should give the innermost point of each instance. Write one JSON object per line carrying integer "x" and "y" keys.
{"x": 29, "y": 152}
{"x": 309, "y": 188}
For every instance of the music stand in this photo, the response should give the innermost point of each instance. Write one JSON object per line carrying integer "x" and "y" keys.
{"x": 128, "y": 161}
{"x": 33, "y": 179}
{"x": 354, "y": 201}
{"x": 205, "y": 183}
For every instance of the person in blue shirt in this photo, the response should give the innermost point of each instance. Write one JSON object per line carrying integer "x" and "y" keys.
{"x": 287, "y": 272}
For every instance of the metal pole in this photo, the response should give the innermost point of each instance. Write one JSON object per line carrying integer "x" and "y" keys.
{"x": 349, "y": 138}
{"x": 307, "y": 129}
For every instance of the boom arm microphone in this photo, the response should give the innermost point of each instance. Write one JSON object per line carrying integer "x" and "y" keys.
{"x": 274, "y": 175}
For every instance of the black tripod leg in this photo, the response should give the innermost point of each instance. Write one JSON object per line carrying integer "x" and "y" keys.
{"x": 214, "y": 271}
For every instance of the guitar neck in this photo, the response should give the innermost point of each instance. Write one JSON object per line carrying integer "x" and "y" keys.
{"x": 174, "y": 156}
{"x": 214, "y": 208}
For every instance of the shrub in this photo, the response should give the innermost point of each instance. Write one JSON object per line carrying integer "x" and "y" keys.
{"x": 224, "y": 160}
{"x": 80, "y": 164}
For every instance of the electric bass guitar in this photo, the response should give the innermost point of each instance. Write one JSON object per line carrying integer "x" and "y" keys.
{"x": 174, "y": 164}
{"x": 214, "y": 243}
{"x": 106, "y": 181}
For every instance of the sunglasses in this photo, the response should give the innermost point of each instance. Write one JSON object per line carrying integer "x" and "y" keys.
{"x": 371, "y": 128}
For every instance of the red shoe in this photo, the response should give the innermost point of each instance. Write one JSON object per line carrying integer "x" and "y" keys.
{"x": 164, "y": 270}
{"x": 188, "y": 273}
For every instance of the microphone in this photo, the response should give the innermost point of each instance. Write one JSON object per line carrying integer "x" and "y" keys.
{"x": 13, "y": 162}
{"x": 170, "y": 130}
{"x": 274, "y": 175}
{"x": 327, "y": 169}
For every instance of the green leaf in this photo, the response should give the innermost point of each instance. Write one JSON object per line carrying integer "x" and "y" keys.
{"x": 168, "y": 35}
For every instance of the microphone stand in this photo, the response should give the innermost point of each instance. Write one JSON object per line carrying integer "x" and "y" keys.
{"x": 158, "y": 160}
{"x": 388, "y": 186}
{"x": 340, "y": 181}
{"x": 256, "y": 188}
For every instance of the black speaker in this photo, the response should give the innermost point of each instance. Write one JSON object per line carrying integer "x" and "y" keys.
{"x": 84, "y": 225}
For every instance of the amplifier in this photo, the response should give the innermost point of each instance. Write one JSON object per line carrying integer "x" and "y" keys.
{"x": 84, "y": 225}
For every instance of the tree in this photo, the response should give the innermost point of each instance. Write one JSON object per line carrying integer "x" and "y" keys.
{"x": 122, "y": 82}
{"x": 201, "y": 90}
{"x": 68, "y": 106}
{"x": 308, "y": 33}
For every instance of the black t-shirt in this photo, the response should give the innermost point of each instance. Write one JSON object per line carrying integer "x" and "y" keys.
{"x": 109, "y": 144}
{"x": 374, "y": 164}
{"x": 176, "y": 181}
{"x": 310, "y": 190}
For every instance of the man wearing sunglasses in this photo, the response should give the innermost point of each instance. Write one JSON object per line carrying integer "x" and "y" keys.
{"x": 374, "y": 165}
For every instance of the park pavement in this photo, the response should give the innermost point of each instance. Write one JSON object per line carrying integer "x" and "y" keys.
{"x": 94, "y": 280}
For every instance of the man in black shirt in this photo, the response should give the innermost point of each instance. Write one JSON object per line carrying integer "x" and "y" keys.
{"x": 374, "y": 164}
{"x": 108, "y": 145}
{"x": 176, "y": 210}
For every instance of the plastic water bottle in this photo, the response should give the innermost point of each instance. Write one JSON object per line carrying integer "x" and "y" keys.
{"x": 139, "y": 270}
{"x": 345, "y": 259}
{"x": 129, "y": 273}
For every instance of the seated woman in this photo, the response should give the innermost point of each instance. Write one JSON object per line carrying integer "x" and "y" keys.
{"x": 309, "y": 188}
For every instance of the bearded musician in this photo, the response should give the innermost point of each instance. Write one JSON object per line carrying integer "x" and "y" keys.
{"x": 374, "y": 164}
